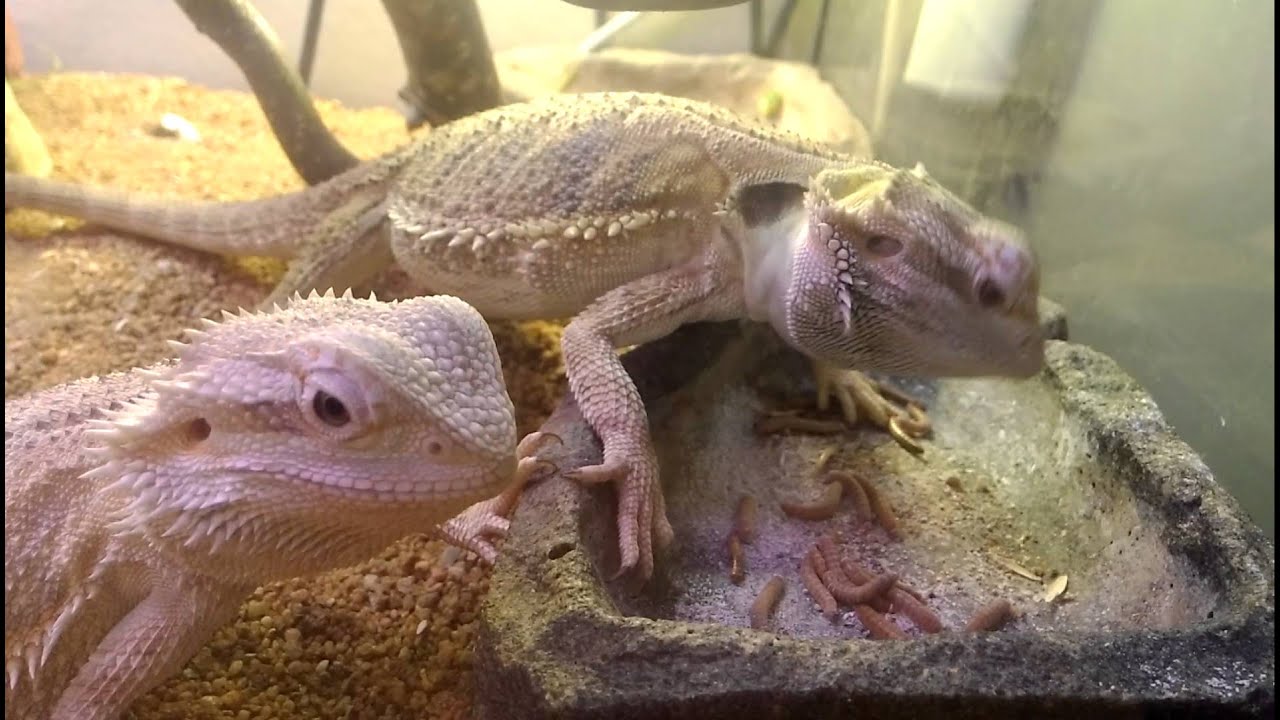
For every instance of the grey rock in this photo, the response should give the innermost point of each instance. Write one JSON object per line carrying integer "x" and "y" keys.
{"x": 1170, "y": 608}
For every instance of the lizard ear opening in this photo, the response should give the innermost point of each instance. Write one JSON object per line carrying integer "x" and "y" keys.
{"x": 879, "y": 246}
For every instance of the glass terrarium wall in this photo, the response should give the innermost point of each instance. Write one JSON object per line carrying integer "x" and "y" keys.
{"x": 1133, "y": 139}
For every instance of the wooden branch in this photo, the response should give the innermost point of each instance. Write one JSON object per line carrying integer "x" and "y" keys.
{"x": 244, "y": 35}
{"x": 12, "y": 46}
{"x": 446, "y": 53}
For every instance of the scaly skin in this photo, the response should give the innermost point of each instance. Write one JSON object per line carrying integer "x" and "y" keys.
{"x": 141, "y": 508}
{"x": 634, "y": 214}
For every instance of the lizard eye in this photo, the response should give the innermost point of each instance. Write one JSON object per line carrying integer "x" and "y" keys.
{"x": 329, "y": 409}
{"x": 336, "y": 405}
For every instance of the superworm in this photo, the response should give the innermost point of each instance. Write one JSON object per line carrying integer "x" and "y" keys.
{"x": 771, "y": 424}
{"x": 765, "y": 602}
{"x": 877, "y": 625}
{"x": 817, "y": 590}
{"x": 992, "y": 616}
{"x": 822, "y": 509}
{"x": 881, "y": 508}
{"x": 851, "y": 594}
{"x": 905, "y": 599}
{"x": 862, "y": 576}
{"x": 737, "y": 570}
{"x": 828, "y": 565}
{"x": 853, "y": 488}
{"x": 744, "y": 520}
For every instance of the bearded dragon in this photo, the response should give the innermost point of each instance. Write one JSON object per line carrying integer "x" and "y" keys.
{"x": 141, "y": 508}
{"x": 634, "y": 214}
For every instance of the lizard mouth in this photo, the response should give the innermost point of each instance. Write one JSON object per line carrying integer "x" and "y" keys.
{"x": 414, "y": 485}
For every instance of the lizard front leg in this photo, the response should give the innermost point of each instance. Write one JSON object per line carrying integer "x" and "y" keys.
{"x": 151, "y": 642}
{"x": 476, "y": 527}
{"x": 643, "y": 310}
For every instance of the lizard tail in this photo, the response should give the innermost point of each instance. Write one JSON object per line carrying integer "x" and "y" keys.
{"x": 272, "y": 227}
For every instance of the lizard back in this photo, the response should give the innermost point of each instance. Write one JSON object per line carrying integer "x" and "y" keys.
{"x": 498, "y": 207}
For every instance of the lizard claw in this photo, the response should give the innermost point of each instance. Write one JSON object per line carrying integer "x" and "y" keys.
{"x": 883, "y": 406}
{"x": 642, "y": 516}
{"x": 532, "y": 443}
{"x": 476, "y": 527}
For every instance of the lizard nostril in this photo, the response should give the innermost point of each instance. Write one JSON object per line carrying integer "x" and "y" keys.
{"x": 198, "y": 430}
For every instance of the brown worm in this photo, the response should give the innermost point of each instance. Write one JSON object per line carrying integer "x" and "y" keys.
{"x": 817, "y": 590}
{"x": 771, "y": 424}
{"x": 877, "y": 625}
{"x": 900, "y": 436}
{"x": 765, "y": 602}
{"x": 851, "y": 594}
{"x": 744, "y": 519}
{"x": 828, "y": 564}
{"x": 914, "y": 422}
{"x": 860, "y": 575}
{"x": 992, "y": 616}
{"x": 827, "y": 549}
{"x": 880, "y": 508}
{"x": 920, "y": 614}
{"x": 853, "y": 488}
{"x": 824, "y": 458}
{"x": 737, "y": 567}
{"x": 823, "y": 509}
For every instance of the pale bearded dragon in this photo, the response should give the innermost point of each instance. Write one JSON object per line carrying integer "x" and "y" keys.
{"x": 634, "y": 214}
{"x": 141, "y": 508}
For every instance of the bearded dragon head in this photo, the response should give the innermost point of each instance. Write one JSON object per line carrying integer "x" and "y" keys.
{"x": 898, "y": 275}
{"x": 298, "y": 439}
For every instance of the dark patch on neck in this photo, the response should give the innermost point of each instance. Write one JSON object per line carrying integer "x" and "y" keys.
{"x": 762, "y": 204}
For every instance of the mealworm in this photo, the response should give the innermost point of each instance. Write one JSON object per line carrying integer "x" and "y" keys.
{"x": 744, "y": 520}
{"x": 765, "y": 602}
{"x": 771, "y": 424}
{"x": 915, "y": 422}
{"x": 817, "y": 590}
{"x": 827, "y": 547}
{"x": 992, "y": 616}
{"x": 920, "y": 614}
{"x": 828, "y": 563}
{"x": 823, "y": 509}
{"x": 906, "y": 441}
{"x": 880, "y": 507}
{"x": 824, "y": 458}
{"x": 737, "y": 569}
{"x": 878, "y": 626}
{"x": 853, "y": 488}
{"x": 851, "y": 594}
{"x": 861, "y": 576}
